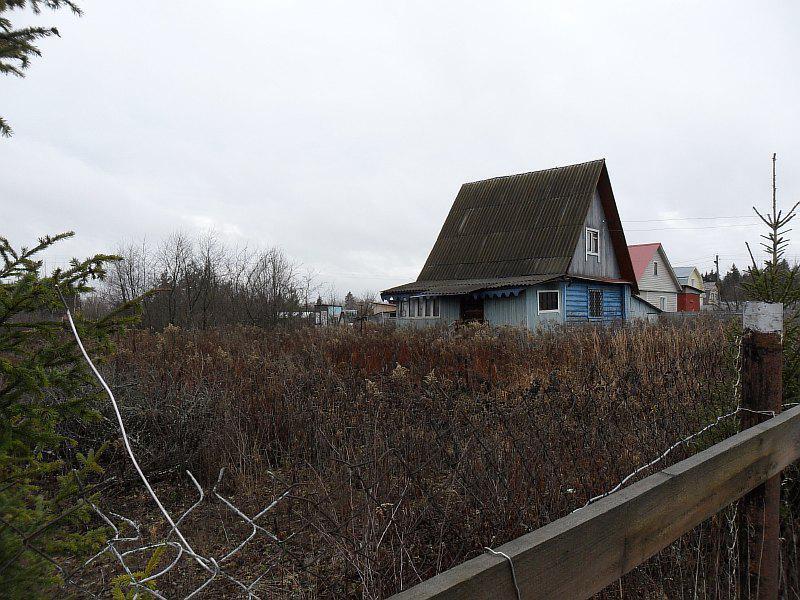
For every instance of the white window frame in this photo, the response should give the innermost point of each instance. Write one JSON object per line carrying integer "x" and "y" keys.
{"x": 539, "y": 301}
{"x": 662, "y": 303}
{"x": 592, "y": 233}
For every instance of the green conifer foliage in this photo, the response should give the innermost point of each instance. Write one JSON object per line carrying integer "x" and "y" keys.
{"x": 776, "y": 281}
{"x": 18, "y": 46}
{"x": 44, "y": 385}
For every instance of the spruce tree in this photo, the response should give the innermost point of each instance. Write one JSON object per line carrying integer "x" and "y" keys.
{"x": 775, "y": 280}
{"x": 45, "y": 391}
{"x": 18, "y": 46}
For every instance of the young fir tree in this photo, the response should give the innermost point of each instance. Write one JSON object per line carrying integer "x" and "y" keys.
{"x": 776, "y": 281}
{"x": 45, "y": 385}
{"x": 18, "y": 46}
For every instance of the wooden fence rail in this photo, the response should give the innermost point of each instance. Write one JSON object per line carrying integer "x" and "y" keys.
{"x": 580, "y": 554}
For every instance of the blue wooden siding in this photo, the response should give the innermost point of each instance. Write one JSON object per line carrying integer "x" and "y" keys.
{"x": 522, "y": 310}
{"x": 577, "y": 301}
{"x": 537, "y": 320}
{"x": 506, "y": 311}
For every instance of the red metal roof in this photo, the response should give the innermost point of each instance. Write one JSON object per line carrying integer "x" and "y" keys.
{"x": 641, "y": 255}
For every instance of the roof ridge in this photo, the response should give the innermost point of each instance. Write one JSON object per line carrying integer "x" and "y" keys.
{"x": 588, "y": 162}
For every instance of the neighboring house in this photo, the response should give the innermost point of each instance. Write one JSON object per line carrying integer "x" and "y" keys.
{"x": 711, "y": 294}
{"x": 379, "y": 312}
{"x": 383, "y": 309}
{"x": 327, "y": 314}
{"x": 527, "y": 250}
{"x": 642, "y": 309}
{"x": 691, "y": 297}
{"x": 657, "y": 282}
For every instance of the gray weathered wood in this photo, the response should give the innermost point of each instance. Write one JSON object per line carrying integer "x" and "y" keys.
{"x": 759, "y": 512}
{"x": 580, "y": 554}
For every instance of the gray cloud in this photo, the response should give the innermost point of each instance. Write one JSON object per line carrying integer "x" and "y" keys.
{"x": 342, "y": 131}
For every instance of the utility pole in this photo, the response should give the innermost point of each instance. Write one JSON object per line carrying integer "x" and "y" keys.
{"x": 716, "y": 262}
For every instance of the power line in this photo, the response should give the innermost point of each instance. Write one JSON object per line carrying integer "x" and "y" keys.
{"x": 688, "y": 219}
{"x": 695, "y": 228}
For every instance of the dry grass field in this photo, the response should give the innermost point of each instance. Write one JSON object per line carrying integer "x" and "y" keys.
{"x": 405, "y": 453}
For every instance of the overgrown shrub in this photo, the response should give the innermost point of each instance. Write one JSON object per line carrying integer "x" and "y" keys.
{"x": 415, "y": 449}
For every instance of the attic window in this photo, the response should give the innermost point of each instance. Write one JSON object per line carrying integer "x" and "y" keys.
{"x": 655, "y": 269}
{"x": 592, "y": 243}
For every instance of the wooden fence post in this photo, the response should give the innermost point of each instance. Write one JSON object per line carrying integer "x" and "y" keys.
{"x": 759, "y": 511}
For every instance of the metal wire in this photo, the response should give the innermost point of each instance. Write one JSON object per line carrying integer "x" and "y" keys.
{"x": 183, "y": 548}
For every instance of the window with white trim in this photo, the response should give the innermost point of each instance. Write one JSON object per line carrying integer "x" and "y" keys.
{"x": 592, "y": 243}
{"x": 596, "y": 304}
{"x": 662, "y": 302}
{"x": 548, "y": 301}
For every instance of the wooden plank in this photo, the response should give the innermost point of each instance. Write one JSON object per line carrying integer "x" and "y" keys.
{"x": 580, "y": 554}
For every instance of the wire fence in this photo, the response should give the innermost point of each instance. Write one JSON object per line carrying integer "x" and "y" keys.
{"x": 388, "y": 456}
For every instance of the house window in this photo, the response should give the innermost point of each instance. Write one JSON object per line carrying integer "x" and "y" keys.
{"x": 435, "y": 307}
{"x": 420, "y": 307}
{"x": 403, "y": 308}
{"x": 662, "y": 303}
{"x": 548, "y": 301}
{"x": 596, "y": 304}
{"x": 428, "y": 307}
{"x": 592, "y": 243}
{"x": 413, "y": 307}
{"x": 655, "y": 268}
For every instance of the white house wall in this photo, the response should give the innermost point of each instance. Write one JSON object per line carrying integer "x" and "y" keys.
{"x": 653, "y": 287}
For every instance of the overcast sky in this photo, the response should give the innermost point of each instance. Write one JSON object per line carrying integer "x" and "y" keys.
{"x": 341, "y": 131}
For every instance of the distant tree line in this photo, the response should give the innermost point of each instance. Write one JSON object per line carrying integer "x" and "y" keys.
{"x": 203, "y": 282}
{"x": 733, "y": 285}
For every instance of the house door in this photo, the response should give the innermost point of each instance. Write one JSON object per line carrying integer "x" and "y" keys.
{"x": 471, "y": 308}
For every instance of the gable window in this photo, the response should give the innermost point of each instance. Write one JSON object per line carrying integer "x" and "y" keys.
{"x": 655, "y": 268}
{"x": 592, "y": 243}
{"x": 548, "y": 301}
{"x": 595, "y": 304}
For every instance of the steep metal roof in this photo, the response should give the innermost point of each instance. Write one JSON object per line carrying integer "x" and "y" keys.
{"x": 518, "y": 226}
{"x": 641, "y": 255}
{"x": 514, "y": 226}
